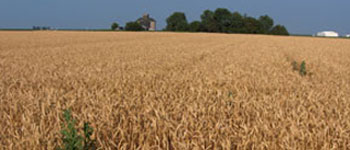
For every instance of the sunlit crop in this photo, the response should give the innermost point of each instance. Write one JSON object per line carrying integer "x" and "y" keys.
{"x": 175, "y": 90}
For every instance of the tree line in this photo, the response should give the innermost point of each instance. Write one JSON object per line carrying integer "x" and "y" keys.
{"x": 129, "y": 26}
{"x": 41, "y": 28}
{"x": 219, "y": 21}
{"x": 223, "y": 21}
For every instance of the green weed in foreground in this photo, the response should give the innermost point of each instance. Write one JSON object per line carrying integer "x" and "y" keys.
{"x": 71, "y": 138}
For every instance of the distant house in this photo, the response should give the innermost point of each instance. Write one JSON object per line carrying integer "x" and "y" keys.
{"x": 147, "y": 23}
{"x": 348, "y": 35}
{"x": 327, "y": 34}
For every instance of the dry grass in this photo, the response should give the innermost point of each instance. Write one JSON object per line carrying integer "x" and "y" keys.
{"x": 175, "y": 91}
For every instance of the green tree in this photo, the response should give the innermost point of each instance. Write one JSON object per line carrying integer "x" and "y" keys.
{"x": 266, "y": 23}
{"x": 279, "y": 30}
{"x": 133, "y": 26}
{"x": 114, "y": 26}
{"x": 195, "y": 26}
{"x": 223, "y": 19}
{"x": 237, "y": 24}
{"x": 208, "y": 22}
{"x": 177, "y": 22}
{"x": 251, "y": 25}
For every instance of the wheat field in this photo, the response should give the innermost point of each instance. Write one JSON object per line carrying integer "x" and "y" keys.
{"x": 175, "y": 90}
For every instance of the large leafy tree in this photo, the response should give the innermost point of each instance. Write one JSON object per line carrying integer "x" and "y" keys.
{"x": 208, "y": 21}
{"x": 177, "y": 22}
{"x": 223, "y": 19}
{"x": 114, "y": 26}
{"x": 266, "y": 23}
{"x": 237, "y": 23}
{"x": 251, "y": 25}
{"x": 195, "y": 26}
{"x": 279, "y": 30}
{"x": 133, "y": 26}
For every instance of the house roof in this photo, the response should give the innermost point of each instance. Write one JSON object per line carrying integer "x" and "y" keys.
{"x": 146, "y": 17}
{"x": 327, "y": 33}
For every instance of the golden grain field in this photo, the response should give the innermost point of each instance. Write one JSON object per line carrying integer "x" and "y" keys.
{"x": 175, "y": 90}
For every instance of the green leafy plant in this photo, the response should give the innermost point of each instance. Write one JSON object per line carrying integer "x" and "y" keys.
{"x": 302, "y": 70}
{"x": 88, "y": 143}
{"x": 71, "y": 138}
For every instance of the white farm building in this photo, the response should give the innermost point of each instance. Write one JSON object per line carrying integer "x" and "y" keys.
{"x": 348, "y": 35}
{"x": 327, "y": 34}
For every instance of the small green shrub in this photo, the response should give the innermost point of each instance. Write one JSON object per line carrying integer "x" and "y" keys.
{"x": 302, "y": 70}
{"x": 71, "y": 138}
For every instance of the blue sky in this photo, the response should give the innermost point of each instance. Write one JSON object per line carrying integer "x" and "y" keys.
{"x": 299, "y": 16}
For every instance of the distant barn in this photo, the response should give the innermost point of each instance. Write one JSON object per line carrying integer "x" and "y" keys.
{"x": 147, "y": 22}
{"x": 327, "y": 34}
{"x": 348, "y": 35}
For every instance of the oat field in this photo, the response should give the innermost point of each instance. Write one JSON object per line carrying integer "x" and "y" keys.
{"x": 175, "y": 90}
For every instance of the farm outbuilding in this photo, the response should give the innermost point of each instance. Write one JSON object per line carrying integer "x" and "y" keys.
{"x": 147, "y": 22}
{"x": 348, "y": 35}
{"x": 327, "y": 34}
